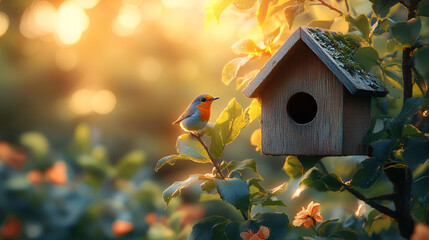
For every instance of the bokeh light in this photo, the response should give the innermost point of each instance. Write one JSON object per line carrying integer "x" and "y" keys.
{"x": 151, "y": 10}
{"x": 72, "y": 21}
{"x": 80, "y": 101}
{"x": 129, "y": 16}
{"x": 87, "y": 3}
{"x": 103, "y": 102}
{"x": 39, "y": 19}
{"x": 4, "y": 23}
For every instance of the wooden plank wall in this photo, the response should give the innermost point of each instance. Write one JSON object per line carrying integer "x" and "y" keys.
{"x": 323, "y": 136}
{"x": 357, "y": 118}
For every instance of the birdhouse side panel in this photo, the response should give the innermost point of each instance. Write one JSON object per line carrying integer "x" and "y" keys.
{"x": 303, "y": 75}
{"x": 357, "y": 119}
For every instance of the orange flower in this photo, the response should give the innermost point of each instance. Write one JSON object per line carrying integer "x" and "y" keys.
{"x": 262, "y": 234}
{"x": 11, "y": 228}
{"x": 151, "y": 218}
{"x": 120, "y": 227}
{"x": 421, "y": 232}
{"x": 57, "y": 174}
{"x": 14, "y": 157}
{"x": 308, "y": 216}
{"x": 35, "y": 177}
{"x": 191, "y": 213}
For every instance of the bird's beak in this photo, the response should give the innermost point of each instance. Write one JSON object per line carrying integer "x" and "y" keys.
{"x": 215, "y": 98}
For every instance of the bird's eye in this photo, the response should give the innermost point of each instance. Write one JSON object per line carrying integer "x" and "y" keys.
{"x": 203, "y": 99}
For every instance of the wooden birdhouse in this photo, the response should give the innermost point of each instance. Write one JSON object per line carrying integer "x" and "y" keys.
{"x": 315, "y": 99}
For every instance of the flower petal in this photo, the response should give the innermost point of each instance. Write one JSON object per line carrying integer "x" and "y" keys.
{"x": 246, "y": 235}
{"x": 308, "y": 223}
{"x": 263, "y": 232}
{"x": 315, "y": 209}
{"x": 318, "y": 217}
{"x": 298, "y": 222}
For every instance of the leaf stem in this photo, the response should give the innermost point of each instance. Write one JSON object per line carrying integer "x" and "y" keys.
{"x": 214, "y": 162}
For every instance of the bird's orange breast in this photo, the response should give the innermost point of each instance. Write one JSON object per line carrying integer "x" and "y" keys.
{"x": 204, "y": 108}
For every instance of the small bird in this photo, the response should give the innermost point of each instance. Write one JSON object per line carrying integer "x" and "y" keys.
{"x": 197, "y": 114}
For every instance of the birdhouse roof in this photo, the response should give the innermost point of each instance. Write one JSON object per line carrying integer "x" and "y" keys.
{"x": 331, "y": 48}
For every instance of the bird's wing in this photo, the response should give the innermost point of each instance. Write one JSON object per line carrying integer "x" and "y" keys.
{"x": 188, "y": 112}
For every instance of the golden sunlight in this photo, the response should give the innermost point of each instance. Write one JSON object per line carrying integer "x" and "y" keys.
{"x": 129, "y": 16}
{"x": 72, "y": 21}
{"x": 360, "y": 210}
{"x": 87, "y": 3}
{"x": 4, "y": 23}
{"x": 151, "y": 10}
{"x": 103, "y": 102}
{"x": 79, "y": 101}
{"x": 150, "y": 69}
{"x": 38, "y": 20}
{"x": 66, "y": 59}
{"x": 297, "y": 192}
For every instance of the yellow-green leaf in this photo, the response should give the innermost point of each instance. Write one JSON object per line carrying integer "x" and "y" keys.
{"x": 279, "y": 189}
{"x": 226, "y": 128}
{"x": 293, "y": 167}
{"x": 190, "y": 146}
{"x": 216, "y": 9}
{"x": 261, "y": 13}
{"x": 255, "y": 139}
{"x": 246, "y": 46}
{"x": 244, "y": 4}
{"x": 176, "y": 188}
{"x": 241, "y": 81}
{"x": 230, "y": 70}
{"x": 253, "y": 111}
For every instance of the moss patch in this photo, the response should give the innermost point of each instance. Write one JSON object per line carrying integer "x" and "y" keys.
{"x": 342, "y": 48}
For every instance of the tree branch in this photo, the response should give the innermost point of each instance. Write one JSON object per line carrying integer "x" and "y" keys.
{"x": 390, "y": 197}
{"x": 404, "y": 4}
{"x": 385, "y": 210}
{"x": 214, "y": 162}
{"x": 330, "y": 7}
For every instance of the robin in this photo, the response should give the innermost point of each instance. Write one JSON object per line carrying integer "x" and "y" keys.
{"x": 197, "y": 114}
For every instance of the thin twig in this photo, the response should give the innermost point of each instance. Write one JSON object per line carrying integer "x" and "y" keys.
{"x": 330, "y": 7}
{"x": 214, "y": 162}
{"x": 385, "y": 210}
{"x": 347, "y": 6}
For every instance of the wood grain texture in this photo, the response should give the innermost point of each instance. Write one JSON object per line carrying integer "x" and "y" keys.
{"x": 324, "y": 134}
{"x": 356, "y": 122}
{"x": 270, "y": 69}
{"x": 354, "y": 84}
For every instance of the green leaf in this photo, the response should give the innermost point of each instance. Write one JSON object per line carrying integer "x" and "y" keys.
{"x": 421, "y": 210}
{"x": 204, "y": 228}
{"x": 253, "y": 111}
{"x": 423, "y": 8}
{"x": 293, "y": 11}
{"x": 416, "y": 151}
{"x": 279, "y": 189}
{"x": 226, "y": 128}
{"x": 421, "y": 59}
{"x": 191, "y": 147}
{"x": 246, "y": 46}
{"x": 344, "y": 234}
{"x": 326, "y": 228}
{"x": 410, "y": 107}
{"x": 382, "y": 7}
{"x": 366, "y": 176}
{"x": 361, "y": 23}
{"x": 269, "y": 202}
{"x": 410, "y": 131}
{"x": 37, "y": 143}
{"x": 208, "y": 186}
{"x": 235, "y": 192}
{"x": 244, "y": 4}
{"x": 367, "y": 57}
{"x": 230, "y": 70}
{"x": 383, "y": 148}
{"x": 313, "y": 180}
{"x": 293, "y": 167}
{"x": 243, "y": 165}
{"x": 277, "y": 222}
{"x": 380, "y": 27}
{"x": 406, "y": 33}
{"x": 130, "y": 164}
{"x": 176, "y": 188}
{"x": 171, "y": 159}
{"x": 333, "y": 182}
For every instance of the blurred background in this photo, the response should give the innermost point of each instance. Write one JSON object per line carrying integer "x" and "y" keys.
{"x": 88, "y": 92}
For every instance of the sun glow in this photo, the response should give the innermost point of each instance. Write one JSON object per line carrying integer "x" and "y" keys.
{"x": 4, "y": 23}
{"x": 103, "y": 102}
{"x": 297, "y": 192}
{"x": 72, "y": 21}
{"x": 360, "y": 210}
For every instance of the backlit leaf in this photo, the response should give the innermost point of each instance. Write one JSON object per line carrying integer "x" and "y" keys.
{"x": 293, "y": 167}
{"x": 279, "y": 189}
{"x": 361, "y": 22}
{"x": 421, "y": 58}
{"x": 226, "y": 128}
{"x": 171, "y": 159}
{"x": 269, "y": 38}
{"x": 367, "y": 57}
{"x": 293, "y": 11}
{"x": 176, "y": 188}
{"x": 242, "y": 81}
{"x": 230, "y": 70}
{"x": 255, "y": 139}
{"x": 217, "y": 7}
{"x": 190, "y": 146}
{"x": 382, "y": 7}
{"x": 253, "y": 111}
{"x": 406, "y": 33}
{"x": 261, "y": 12}
{"x": 244, "y": 4}
{"x": 246, "y": 46}
{"x": 243, "y": 165}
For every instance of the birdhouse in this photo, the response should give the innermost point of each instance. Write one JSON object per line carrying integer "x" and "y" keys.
{"x": 315, "y": 100}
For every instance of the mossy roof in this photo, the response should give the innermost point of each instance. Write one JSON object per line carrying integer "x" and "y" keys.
{"x": 335, "y": 50}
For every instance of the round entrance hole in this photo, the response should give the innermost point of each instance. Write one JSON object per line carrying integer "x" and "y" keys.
{"x": 302, "y": 107}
